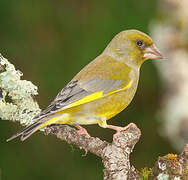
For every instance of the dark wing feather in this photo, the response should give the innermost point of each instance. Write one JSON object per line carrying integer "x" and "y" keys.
{"x": 70, "y": 93}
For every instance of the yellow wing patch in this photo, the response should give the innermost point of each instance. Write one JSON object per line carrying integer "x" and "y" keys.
{"x": 95, "y": 96}
{"x": 86, "y": 99}
{"x": 50, "y": 121}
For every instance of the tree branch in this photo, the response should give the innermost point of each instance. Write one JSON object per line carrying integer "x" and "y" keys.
{"x": 172, "y": 166}
{"x": 115, "y": 156}
{"x": 16, "y": 96}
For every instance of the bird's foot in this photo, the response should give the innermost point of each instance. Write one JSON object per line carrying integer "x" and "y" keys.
{"x": 81, "y": 130}
{"x": 119, "y": 129}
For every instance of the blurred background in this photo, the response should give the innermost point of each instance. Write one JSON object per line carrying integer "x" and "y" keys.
{"x": 50, "y": 41}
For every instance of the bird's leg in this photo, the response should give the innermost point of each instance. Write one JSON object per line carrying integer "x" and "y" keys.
{"x": 102, "y": 123}
{"x": 119, "y": 129}
{"x": 81, "y": 130}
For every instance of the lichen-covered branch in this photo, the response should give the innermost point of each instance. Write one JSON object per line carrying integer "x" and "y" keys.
{"x": 17, "y": 104}
{"x": 172, "y": 166}
{"x": 16, "y": 95}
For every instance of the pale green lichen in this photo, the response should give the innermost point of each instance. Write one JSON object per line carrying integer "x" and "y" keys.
{"x": 162, "y": 176}
{"x": 162, "y": 166}
{"x": 22, "y": 107}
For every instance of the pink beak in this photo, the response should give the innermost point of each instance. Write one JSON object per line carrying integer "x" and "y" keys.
{"x": 152, "y": 52}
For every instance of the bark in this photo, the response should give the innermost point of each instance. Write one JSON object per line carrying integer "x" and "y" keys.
{"x": 115, "y": 155}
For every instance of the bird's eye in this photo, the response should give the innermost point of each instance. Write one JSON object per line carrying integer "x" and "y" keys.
{"x": 139, "y": 43}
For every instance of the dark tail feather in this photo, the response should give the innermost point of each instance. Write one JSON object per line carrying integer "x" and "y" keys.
{"x": 26, "y": 132}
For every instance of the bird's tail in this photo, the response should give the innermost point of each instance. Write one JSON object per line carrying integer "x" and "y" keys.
{"x": 29, "y": 130}
{"x": 26, "y": 132}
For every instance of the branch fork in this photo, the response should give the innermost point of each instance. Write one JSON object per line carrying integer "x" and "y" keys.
{"x": 115, "y": 155}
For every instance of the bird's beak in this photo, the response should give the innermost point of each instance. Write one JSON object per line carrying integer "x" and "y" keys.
{"x": 152, "y": 52}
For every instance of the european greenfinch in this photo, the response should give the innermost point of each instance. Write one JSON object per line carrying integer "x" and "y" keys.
{"x": 101, "y": 89}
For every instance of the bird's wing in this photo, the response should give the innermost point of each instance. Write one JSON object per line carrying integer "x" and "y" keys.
{"x": 84, "y": 88}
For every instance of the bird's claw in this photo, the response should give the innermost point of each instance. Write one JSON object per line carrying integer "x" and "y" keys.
{"x": 120, "y": 129}
{"x": 81, "y": 130}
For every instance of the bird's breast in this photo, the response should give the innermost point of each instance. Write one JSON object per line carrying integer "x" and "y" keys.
{"x": 114, "y": 104}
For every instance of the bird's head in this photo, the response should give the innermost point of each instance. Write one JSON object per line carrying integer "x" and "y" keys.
{"x": 133, "y": 47}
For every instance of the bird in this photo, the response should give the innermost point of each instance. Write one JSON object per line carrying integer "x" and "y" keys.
{"x": 102, "y": 89}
